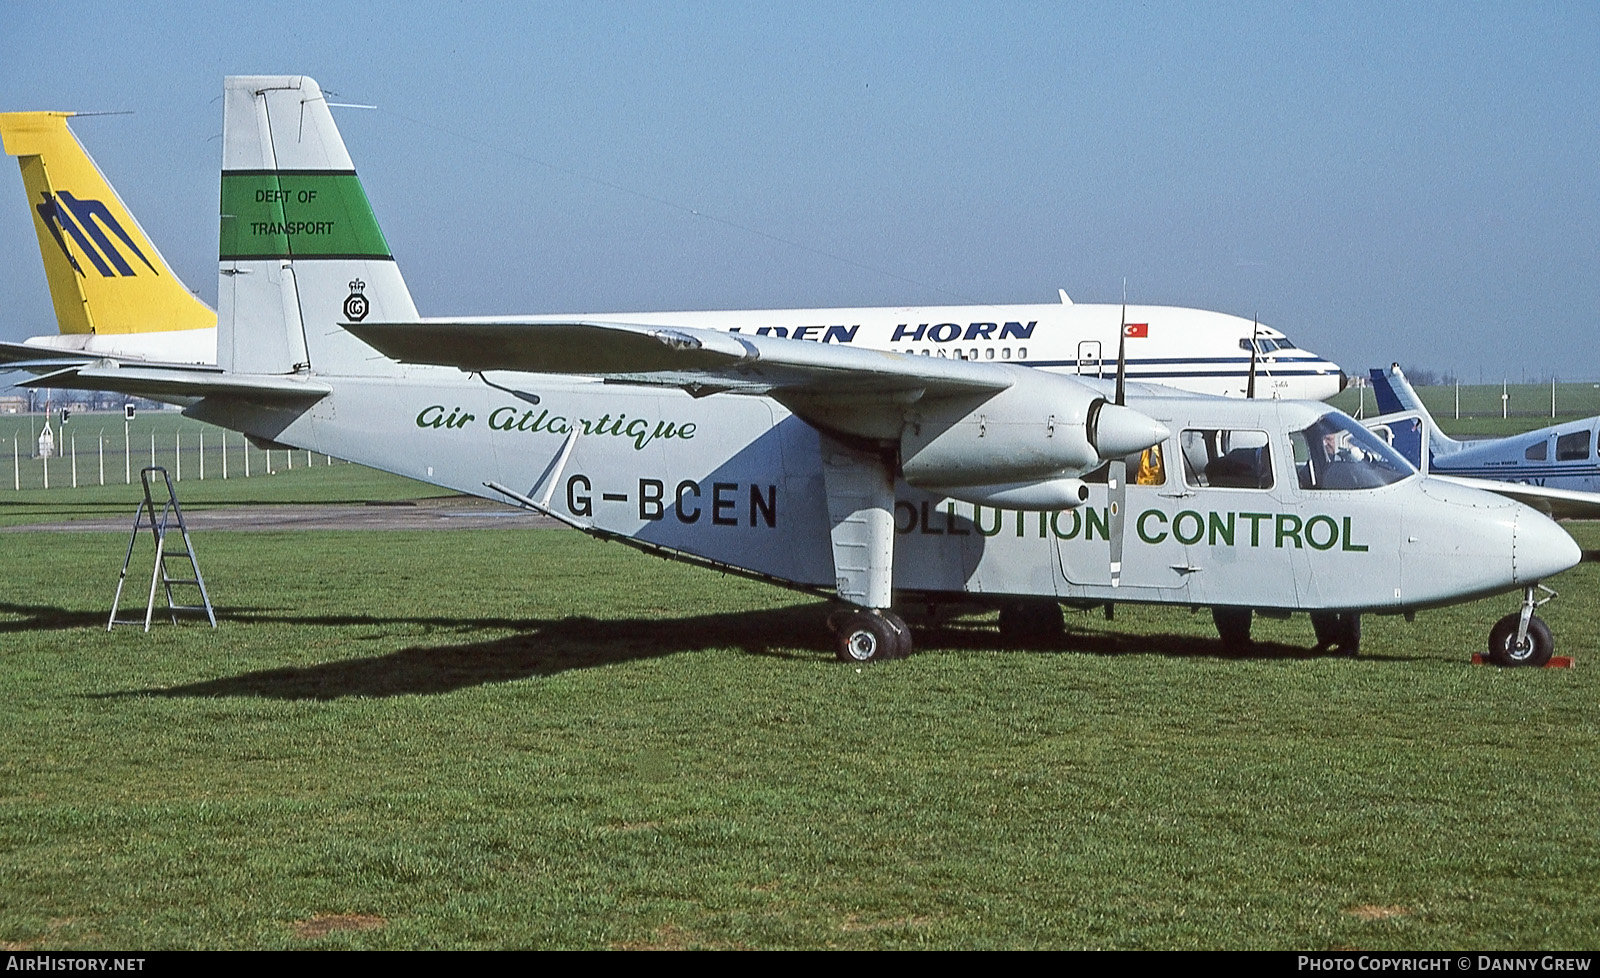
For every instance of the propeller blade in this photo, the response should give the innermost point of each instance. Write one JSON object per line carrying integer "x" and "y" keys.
{"x": 1122, "y": 350}
{"x": 1117, "y": 494}
{"x": 1250, "y": 384}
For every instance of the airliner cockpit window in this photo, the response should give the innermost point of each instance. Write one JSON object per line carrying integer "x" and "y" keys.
{"x": 1336, "y": 452}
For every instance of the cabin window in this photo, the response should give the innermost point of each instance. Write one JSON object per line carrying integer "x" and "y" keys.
{"x": 1573, "y": 447}
{"x": 988, "y": 353}
{"x": 1022, "y": 353}
{"x": 1146, "y": 468}
{"x": 1005, "y": 353}
{"x": 1221, "y": 458}
{"x": 1336, "y": 452}
{"x": 1538, "y": 453}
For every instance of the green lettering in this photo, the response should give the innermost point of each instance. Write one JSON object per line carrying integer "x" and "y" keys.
{"x": 1333, "y": 532}
{"x": 1097, "y": 518}
{"x": 1143, "y": 533}
{"x": 436, "y": 421}
{"x": 1289, "y": 529}
{"x": 977, "y": 520}
{"x": 1348, "y": 544}
{"x": 1255, "y": 526}
{"x": 1072, "y": 531}
{"x": 1221, "y": 530}
{"x": 1193, "y": 517}
{"x": 496, "y": 424}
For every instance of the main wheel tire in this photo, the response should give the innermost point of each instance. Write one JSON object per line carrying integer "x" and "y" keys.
{"x": 1025, "y": 623}
{"x": 865, "y": 637}
{"x": 1339, "y": 630}
{"x": 903, "y": 646}
{"x": 1535, "y": 651}
{"x": 1233, "y": 627}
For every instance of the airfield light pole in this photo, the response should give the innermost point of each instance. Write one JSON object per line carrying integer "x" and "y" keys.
{"x": 1552, "y": 397}
{"x": 102, "y": 456}
{"x": 1505, "y": 398}
{"x": 16, "y": 464}
{"x": 246, "y": 442}
{"x": 73, "y": 448}
{"x": 177, "y": 455}
{"x": 127, "y": 454}
{"x": 224, "y": 438}
{"x": 202, "y": 456}
{"x": 1458, "y": 399}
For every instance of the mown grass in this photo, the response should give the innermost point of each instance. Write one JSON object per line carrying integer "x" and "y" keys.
{"x": 525, "y": 738}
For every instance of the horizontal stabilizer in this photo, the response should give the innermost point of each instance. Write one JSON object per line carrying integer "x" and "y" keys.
{"x": 680, "y": 356}
{"x": 158, "y": 382}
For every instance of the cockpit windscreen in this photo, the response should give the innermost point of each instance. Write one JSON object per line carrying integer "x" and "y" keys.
{"x": 1336, "y": 452}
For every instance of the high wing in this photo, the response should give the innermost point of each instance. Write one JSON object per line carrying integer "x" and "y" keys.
{"x": 698, "y": 360}
{"x": 1560, "y": 504}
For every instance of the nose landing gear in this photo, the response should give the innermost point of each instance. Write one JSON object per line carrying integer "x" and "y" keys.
{"x": 1520, "y": 639}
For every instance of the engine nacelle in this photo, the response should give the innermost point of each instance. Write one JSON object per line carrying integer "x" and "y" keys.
{"x": 1044, "y": 427}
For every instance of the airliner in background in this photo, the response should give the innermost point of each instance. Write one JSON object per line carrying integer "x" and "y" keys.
{"x": 115, "y": 297}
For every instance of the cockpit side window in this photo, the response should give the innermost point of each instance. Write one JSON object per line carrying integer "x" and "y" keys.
{"x": 1335, "y": 452}
{"x": 1226, "y": 458}
{"x": 1573, "y": 447}
{"x": 1538, "y": 452}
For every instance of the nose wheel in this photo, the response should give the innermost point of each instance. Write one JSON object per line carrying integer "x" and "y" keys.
{"x": 1520, "y": 638}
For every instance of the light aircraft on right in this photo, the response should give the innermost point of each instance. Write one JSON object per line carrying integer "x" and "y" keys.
{"x": 1554, "y": 469}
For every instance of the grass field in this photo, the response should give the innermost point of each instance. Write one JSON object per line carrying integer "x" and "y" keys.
{"x": 529, "y": 739}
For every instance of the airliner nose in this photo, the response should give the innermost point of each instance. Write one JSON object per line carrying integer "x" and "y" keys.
{"x": 1540, "y": 548}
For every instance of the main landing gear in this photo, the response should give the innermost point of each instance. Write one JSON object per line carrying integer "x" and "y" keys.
{"x": 1337, "y": 631}
{"x": 869, "y": 635}
{"x": 1521, "y": 639}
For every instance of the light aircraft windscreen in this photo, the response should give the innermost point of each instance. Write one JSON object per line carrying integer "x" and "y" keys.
{"x": 1336, "y": 452}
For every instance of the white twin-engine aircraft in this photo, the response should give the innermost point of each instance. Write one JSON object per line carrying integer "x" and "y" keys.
{"x": 115, "y": 297}
{"x": 884, "y": 478}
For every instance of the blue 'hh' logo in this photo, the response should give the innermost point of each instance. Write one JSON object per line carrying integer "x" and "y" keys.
{"x": 88, "y": 221}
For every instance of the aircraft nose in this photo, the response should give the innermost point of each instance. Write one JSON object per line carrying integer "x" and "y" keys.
{"x": 1540, "y": 548}
{"x": 1120, "y": 430}
{"x": 1344, "y": 380}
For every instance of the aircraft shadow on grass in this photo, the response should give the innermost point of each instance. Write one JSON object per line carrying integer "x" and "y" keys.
{"x": 550, "y": 647}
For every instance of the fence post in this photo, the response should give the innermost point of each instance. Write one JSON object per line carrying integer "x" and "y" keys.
{"x": 246, "y": 442}
{"x": 177, "y": 455}
{"x": 102, "y": 456}
{"x": 202, "y": 456}
{"x": 73, "y": 448}
{"x": 16, "y": 463}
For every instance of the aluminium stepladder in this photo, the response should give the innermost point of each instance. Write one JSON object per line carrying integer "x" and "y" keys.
{"x": 159, "y": 525}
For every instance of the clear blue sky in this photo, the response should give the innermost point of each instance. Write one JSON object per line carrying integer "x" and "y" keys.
{"x": 1416, "y": 182}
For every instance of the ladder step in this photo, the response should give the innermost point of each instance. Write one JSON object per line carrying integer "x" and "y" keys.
{"x": 188, "y": 607}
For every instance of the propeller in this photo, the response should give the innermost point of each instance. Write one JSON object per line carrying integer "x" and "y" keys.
{"x": 1117, "y": 470}
{"x": 1250, "y": 383}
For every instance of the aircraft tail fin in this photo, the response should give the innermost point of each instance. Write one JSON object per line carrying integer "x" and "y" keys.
{"x": 1395, "y": 394}
{"x": 300, "y": 252}
{"x": 106, "y": 276}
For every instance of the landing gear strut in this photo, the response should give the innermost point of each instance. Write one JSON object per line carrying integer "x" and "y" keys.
{"x": 864, "y": 635}
{"x": 1337, "y": 631}
{"x": 1520, "y": 639}
{"x": 1233, "y": 627}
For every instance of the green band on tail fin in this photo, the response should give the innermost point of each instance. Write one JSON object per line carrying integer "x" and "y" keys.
{"x": 297, "y": 214}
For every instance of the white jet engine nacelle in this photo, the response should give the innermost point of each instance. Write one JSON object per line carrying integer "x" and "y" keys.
{"x": 1045, "y": 429}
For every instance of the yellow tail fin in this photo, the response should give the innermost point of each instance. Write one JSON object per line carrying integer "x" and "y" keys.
{"x": 105, "y": 276}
